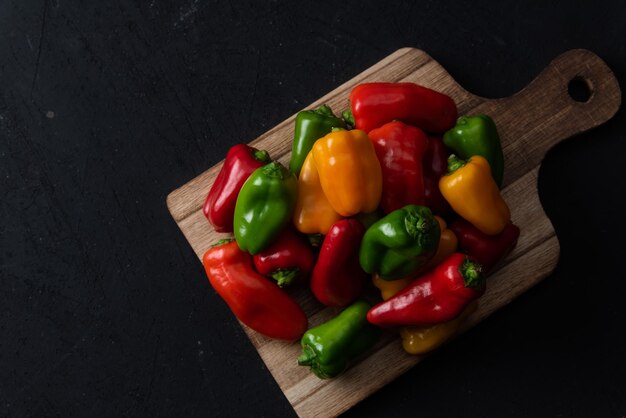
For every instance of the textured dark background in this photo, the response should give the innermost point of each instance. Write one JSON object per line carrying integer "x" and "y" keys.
{"x": 106, "y": 108}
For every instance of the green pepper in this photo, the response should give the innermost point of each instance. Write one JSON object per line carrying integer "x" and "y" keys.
{"x": 264, "y": 206}
{"x": 477, "y": 135}
{"x": 401, "y": 243}
{"x": 330, "y": 347}
{"x": 311, "y": 125}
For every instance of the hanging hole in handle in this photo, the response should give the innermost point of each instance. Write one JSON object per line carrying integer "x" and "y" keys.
{"x": 580, "y": 89}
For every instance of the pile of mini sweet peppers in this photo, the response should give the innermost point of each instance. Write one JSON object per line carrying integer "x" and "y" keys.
{"x": 396, "y": 194}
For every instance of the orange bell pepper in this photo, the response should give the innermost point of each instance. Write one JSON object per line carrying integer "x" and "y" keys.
{"x": 473, "y": 193}
{"x": 313, "y": 213}
{"x": 349, "y": 171}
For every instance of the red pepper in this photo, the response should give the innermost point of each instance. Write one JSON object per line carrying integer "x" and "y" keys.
{"x": 254, "y": 299}
{"x": 240, "y": 162}
{"x": 400, "y": 149}
{"x": 288, "y": 258}
{"x": 338, "y": 278}
{"x": 488, "y": 250}
{"x": 435, "y": 166}
{"x": 374, "y": 104}
{"x": 438, "y": 296}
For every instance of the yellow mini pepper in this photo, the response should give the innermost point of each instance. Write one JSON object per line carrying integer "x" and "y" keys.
{"x": 349, "y": 171}
{"x": 473, "y": 193}
{"x": 313, "y": 213}
{"x": 447, "y": 244}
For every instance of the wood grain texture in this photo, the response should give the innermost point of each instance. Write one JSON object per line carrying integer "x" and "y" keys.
{"x": 530, "y": 123}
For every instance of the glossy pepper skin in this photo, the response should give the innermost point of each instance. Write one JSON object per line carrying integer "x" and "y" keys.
{"x": 287, "y": 259}
{"x": 240, "y": 162}
{"x": 474, "y": 195}
{"x": 338, "y": 278}
{"x": 254, "y": 299}
{"x": 375, "y": 104}
{"x": 313, "y": 213}
{"x": 400, "y": 149}
{"x": 421, "y": 340}
{"x": 264, "y": 206}
{"x": 477, "y": 135}
{"x": 330, "y": 347}
{"x": 349, "y": 171}
{"x": 488, "y": 250}
{"x": 401, "y": 243}
{"x": 438, "y": 296}
{"x": 311, "y": 125}
{"x": 435, "y": 166}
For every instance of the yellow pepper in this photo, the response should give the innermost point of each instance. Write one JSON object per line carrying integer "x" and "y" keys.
{"x": 313, "y": 213}
{"x": 421, "y": 340}
{"x": 349, "y": 171}
{"x": 447, "y": 244}
{"x": 473, "y": 193}
{"x": 388, "y": 288}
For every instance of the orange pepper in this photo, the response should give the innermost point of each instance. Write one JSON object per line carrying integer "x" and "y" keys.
{"x": 473, "y": 193}
{"x": 447, "y": 244}
{"x": 349, "y": 171}
{"x": 388, "y": 288}
{"x": 313, "y": 213}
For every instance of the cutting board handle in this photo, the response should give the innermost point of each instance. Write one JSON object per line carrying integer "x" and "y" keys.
{"x": 543, "y": 113}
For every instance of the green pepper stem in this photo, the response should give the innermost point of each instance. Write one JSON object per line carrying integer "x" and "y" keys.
{"x": 315, "y": 240}
{"x": 348, "y": 117}
{"x": 274, "y": 170}
{"x": 454, "y": 163}
{"x": 415, "y": 223}
{"x": 284, "y": 277}
{"x": 324, "y": 110}
{"x": 472, "y": 273}
{"x": 307, "y": 356}
{"x": 261, "y": 155}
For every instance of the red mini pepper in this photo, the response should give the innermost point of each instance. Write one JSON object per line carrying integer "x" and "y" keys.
{"x": 400, "y": 149}
{"x": 288, "y": 258}
{"x": 254, "y": 299}
{"x": 435, "y": 166}
{"x": 488, "y": 250}
{"x": 240, "y": 162}
{"x": 438, "y": 296}
{"x": 338, "y": 278}
{"x": 374, "y": 104}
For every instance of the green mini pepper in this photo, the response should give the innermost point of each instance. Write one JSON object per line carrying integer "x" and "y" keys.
{"x": 477, "y": 135}
{"x": 311, "y": 125}
{"x": 264, "y": 206}
{"x": 401, "y": 243}
{"x": 330, "y": 347}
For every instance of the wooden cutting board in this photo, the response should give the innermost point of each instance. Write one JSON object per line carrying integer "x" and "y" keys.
{"x": 530, "y": 123}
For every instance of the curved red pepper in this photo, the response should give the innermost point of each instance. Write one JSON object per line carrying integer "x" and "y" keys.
{"x": 338, "y": 278}
{"x": 374, "y": 104}
{"x": 438, "y": 296}
{"x": 240, "y": 162}
{"x": 488, "y": 250}
{"x": 400, "y": 149}
{"x": 435, "y": 166}
{"x": 254, "y": 299}
{"x": 288, "y": 258}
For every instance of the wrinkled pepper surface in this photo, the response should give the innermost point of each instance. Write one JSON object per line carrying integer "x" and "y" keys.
{"x": 349, "y": 171}
{"x": 440, "y": 295}
{"x": 264, "y": 206}
{"x": 311, "y": 125}
{"x": 435, "y": 166}
{"x": 287, "y": 259}
{"x": 400, "y": 149}
{"x": 474, "y": 195}
{"x": 313, "y": 213}
{"x": 477, "y": 135}
{"x": 488, "y": 250}
{"x": 254, "y": 299}
{"x": 374, "y": 104}
{"x": 240, "y": 162}
{"x": 338, "y": 278}
{"x": 330, "y": 347}
{"x": 401, "y": 243}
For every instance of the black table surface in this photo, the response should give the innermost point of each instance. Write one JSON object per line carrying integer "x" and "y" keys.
{"x": 106, "y": 107}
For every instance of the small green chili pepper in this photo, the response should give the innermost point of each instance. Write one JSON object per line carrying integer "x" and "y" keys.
{"x": 330, "y": 347}
{"x": 264, "y": 206}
